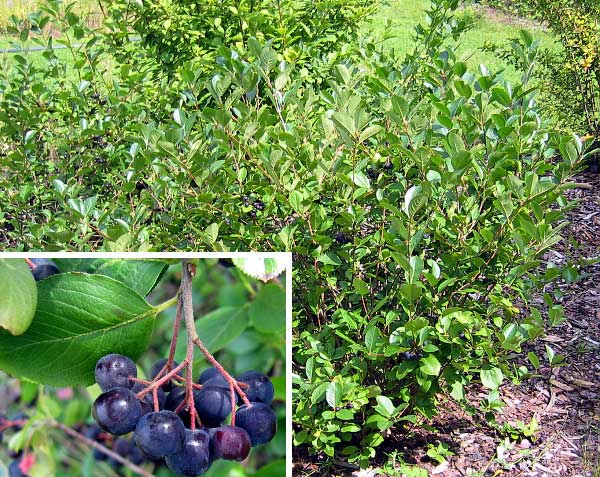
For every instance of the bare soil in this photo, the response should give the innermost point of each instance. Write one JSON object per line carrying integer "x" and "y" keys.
{"x": 564, "y": 400}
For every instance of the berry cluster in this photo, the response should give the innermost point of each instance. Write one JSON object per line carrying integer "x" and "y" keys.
{"x": 165, "y": 424}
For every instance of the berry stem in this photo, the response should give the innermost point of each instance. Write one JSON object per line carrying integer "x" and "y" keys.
{"x": 96, "y": 445}
{"x": 193, "y": 338}
{"x": 188, "y": 312}
{"x": 211, "y": 359}
{"x": 161, "y": 381}
{"x": 180, "y": 378}
{"x": 7, "y": 423}
{"x": 175, "y": 334}
{"x": 30, "y": 263}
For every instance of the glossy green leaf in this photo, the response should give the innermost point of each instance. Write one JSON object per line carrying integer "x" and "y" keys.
{"x": 79, "y": 319}
{"x": 140, "y": 275}
{"x": 333, "y": 395}
{"x": 430, "y": 365}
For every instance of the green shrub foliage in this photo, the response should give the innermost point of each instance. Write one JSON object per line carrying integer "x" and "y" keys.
{"x": 569, "y": 78}
{"x": 418, "y": 198}
{"x": 176, "y": 31}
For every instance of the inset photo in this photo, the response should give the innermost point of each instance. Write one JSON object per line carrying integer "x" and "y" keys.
{"x": 157, "y": 366}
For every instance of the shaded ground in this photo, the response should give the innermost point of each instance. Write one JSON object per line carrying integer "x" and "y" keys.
{"x": 564, "y": 400}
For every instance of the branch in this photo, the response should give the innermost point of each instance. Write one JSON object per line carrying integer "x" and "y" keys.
{"x": 96, "y": 445}
{"x": 186, "y": 294}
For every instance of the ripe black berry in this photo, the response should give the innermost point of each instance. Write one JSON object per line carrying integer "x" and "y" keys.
{"x": 117, "y": 411}
{"x": 218, "y": 381}
{"x": 159, "y": 434}
{"x": 174, "y": 399}
{"x": 135, "y": 454}
{"x": 114, "y": 371}
{"x": 259, "y": 421}
{"x": 372, "y": 173}
{"x": 260, "y": 386}
{"x": 259, "y": 205}
{"x": 208, "y": 373}
{"x": 341, "y": 238}
{"x": 44, "y": 268}
{"x": 213, "y": 404}
{"x": 194, "y": 458}
{"x": 230, "y": 443}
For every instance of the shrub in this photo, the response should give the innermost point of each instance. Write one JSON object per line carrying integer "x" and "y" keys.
{"x": 176, "y": 31}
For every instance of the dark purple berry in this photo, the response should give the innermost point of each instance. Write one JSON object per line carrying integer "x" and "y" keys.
{"x": 114, "y": 371}
{"x": 260, "y": 388}
{"x": 156, "y": 367}
{"x": 159, "y": 434}
{"x": 207, "y": 374}
{"x": 44, "y": 268}
{"x": 194, "y": 457}
{"x": 213, "y": 404}
{"x": 117, "y": 411}
{"x": 14, "y": 470}
{"x": 174, "y": 399}
{"x": 148, "y": 399}
{"x": 230, "y": 443}
{"x": 259, "y": 421}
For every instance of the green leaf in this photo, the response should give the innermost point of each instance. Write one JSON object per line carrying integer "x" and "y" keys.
{"x": 220, "y": 327}
{"x": 360, "y": 179}
{"x": 267, "y": 311}
{"x": 275, "y": 468}
{"x": 18, "y": 295}
{"x": 371, "y": 338}
{"x": 263, "y": 269}
{"x": 140, "y": 275}
{"x": 79, "y": 319}
{"x": 334, "y": 394}
{"x": 360, "y": 286}
{"x": 491, "y": 377}
{"x": 430, "y": 365}
{"x": 385, "y": 406}
{"x": 414, "y": 200}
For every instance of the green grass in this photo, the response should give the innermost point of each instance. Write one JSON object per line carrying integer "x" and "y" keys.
{"x": 21, "y": 8}
{"x": 494, "y": 28}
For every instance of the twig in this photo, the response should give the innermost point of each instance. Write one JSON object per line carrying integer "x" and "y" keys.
{"x": 188, "y": 270}
{"x": 105, "y": 450}
{"x": 186, "y": 292}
